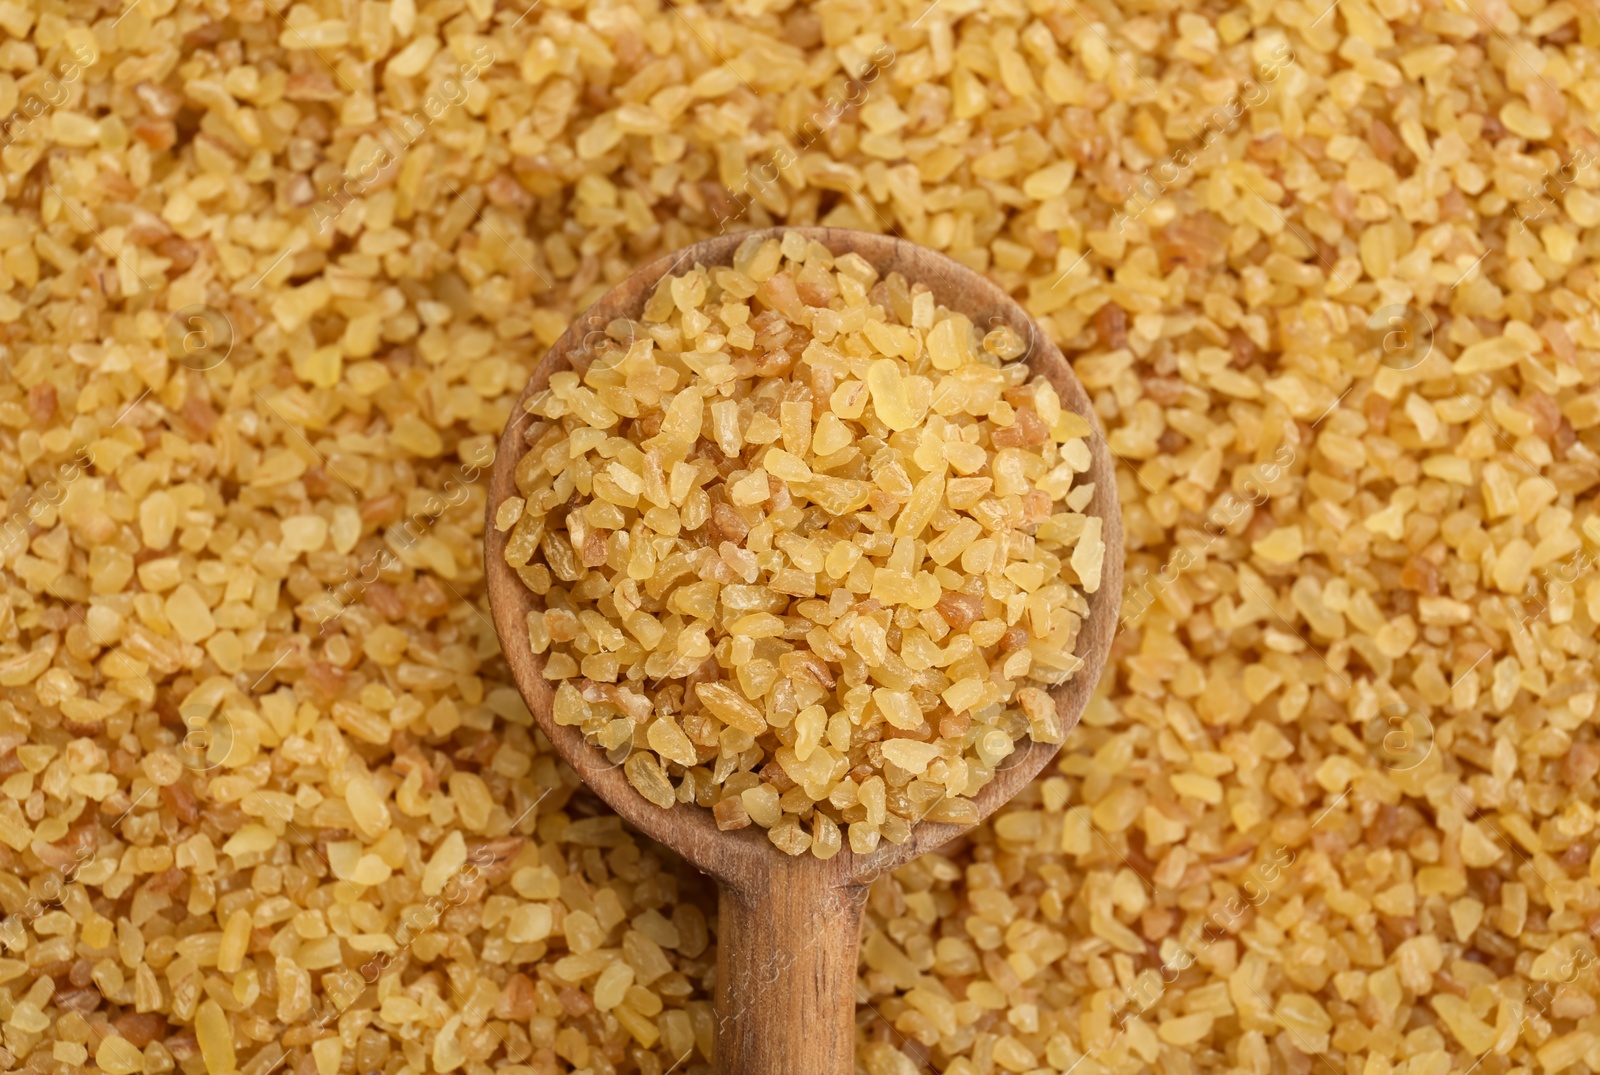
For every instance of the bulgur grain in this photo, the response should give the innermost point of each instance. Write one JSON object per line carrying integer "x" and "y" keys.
{"x": 812, "y": 577}
{"x": 1266, "y": 235}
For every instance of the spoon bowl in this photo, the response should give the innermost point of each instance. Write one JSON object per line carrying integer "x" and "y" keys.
{"x": 789, "y": 927}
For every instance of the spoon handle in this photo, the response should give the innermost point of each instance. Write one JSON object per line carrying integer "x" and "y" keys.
{"x": 787, "y": 946}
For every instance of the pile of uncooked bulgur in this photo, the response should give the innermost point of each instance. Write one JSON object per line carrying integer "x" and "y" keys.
{"x": 270, "y": 281}
{"x": 814, "y": 564}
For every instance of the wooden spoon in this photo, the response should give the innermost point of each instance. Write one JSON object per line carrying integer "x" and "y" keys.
{"x": 789, "y": 928}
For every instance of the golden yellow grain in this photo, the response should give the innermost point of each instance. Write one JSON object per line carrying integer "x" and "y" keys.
{"x": 737, "y": 603}
{"x": 1336, "y": 805}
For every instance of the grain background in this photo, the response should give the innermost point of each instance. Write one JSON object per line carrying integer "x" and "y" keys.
{"x": 271, "y": 277}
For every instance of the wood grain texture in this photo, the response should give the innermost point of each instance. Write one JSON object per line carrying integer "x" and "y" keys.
{"x": 789, "y": 927}
{"x": 786, "y": 973}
